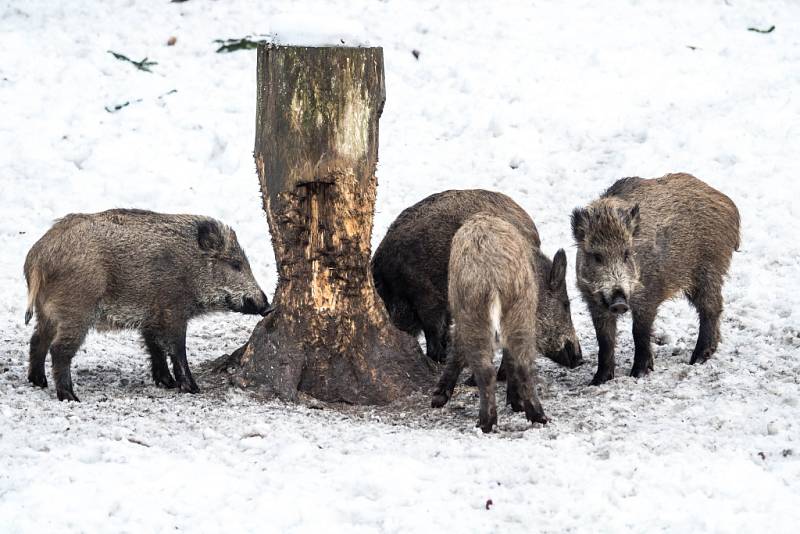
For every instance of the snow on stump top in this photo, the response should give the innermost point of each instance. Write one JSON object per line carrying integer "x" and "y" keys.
{"x": 325, "y": 29}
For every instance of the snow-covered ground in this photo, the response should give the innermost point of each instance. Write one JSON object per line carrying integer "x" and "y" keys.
{"x": 549, "y": 102}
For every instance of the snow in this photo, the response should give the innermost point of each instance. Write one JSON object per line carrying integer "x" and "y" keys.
{"x": 549, "y": 103}
{"x": 322, "y": 29}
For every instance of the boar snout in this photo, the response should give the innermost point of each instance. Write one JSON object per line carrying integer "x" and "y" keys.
{"x": 569, "y": 355}
{"x": 574, "y": 355}
{"x": 255, "y": 305}
{"x": 264, "y": 307}
{"x": 619, "y": 304}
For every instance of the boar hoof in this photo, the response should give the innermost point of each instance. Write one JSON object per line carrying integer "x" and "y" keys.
{"x": 639, "y": 372}
{"x": 439, "y": 399}
{"x": 38, "y": 379}
{"x": 601, "y": 377}
{"x": 487, "y": 422}
{"x": 701, "y": 356}
{"x": 166, "y": 382}
{"x": 66, "y": 394}
{"x": 535, "y": 414}
{"x": 188, "y": 386}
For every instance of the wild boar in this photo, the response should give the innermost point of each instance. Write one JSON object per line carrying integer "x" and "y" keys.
{"x": 493, "y": 296}
{"x": 645, "y": 241}
{"x": 132, "y": 269}
{"x": 410, "y": 271}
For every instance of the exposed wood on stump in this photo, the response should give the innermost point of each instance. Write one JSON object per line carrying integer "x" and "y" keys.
{"x": 316, "y": 150}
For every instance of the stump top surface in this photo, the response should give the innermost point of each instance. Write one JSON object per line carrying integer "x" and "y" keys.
{"x": 267, "y": 45}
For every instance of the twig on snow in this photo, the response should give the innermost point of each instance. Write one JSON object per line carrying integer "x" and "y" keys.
{"x": 143, "y": 64}
{"x": 232, "y": 45}
{"x": 117, "y": 107}
{"x": 757, "y": 30}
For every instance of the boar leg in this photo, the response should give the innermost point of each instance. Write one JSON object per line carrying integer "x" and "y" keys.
{"x": 435, "y": 328}
{"x": 436, "y": 347}
{"x": 158, "y": 361}
{"x": 40, "y": 343}
{"x": 67, "y": 342}
{"x": 502, "y": 372}
{"x": 643, "y": 353}
{"x": 709, "y": 308}
{"x": 512, "y": 384}
{"x": 447, "y": 382}
{"x": 521, "y": 371}
{"x": 487, "y": 382}
{"x": 173, "y": 342}
{"x": 476, "y": 347}
{"x": 605, "y": 326}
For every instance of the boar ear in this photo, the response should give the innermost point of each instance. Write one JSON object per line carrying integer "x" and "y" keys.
{"x": 558, "y": 271}
{"x": 632, "y": 219}
{"x": 578, "y": 224}
{"x": 208, "y": 236}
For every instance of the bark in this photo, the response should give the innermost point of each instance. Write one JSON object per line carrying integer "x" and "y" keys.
{"x": 316, "y": 150}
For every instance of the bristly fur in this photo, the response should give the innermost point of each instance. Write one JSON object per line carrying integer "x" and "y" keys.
{"x": 622, "y": 186}
{"x": 492, "y": 290}
{"x": 650, "y": 240}
{"x": 132, "y": 269}
{"x": 410, "y": 271}
{"x": 604, "y": 222}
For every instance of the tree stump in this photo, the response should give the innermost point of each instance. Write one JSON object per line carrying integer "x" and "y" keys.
{"x": 316, "y": 150}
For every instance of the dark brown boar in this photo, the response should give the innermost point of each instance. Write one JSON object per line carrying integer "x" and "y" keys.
{"x": 132, "y": 269}
{"x": 410, "y": 271}
{"x": 645, "y": 241}
{"x": 493, "y": 297}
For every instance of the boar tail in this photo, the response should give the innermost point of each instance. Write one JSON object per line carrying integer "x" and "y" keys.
{"x": 34, "y": 283}
{"x": 495, "y": 313}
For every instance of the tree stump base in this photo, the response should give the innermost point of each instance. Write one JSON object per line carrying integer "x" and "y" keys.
{"x": 278, "y": 364}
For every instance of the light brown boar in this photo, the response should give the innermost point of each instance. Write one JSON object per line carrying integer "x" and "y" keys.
{"x": 493, "y": 296}
{"x": 645, "y": 241}
{"x": 132, "y": 269}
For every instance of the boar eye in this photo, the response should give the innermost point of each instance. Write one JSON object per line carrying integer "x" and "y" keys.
{"x": 598, "y": 258}
{"x": 627, "y": 255}
{"x": 236, "y": 264}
